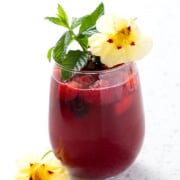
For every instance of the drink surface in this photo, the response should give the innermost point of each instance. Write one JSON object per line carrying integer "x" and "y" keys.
{"x": 96, "y": 121}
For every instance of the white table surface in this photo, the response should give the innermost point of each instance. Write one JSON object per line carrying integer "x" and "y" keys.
{"x": 25, "y": 73}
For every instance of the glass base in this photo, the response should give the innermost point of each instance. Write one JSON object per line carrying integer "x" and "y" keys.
{"x": 79, "y": 178}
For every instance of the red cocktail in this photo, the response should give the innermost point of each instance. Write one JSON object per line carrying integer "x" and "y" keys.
{"x": 96, "y": 120}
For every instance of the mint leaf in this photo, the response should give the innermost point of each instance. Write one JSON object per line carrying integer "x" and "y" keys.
{"x": 75, "y": 60}
{"x": 76, "y": 22}
{"x": 60, "y": 48}
{"x": 83, "y": 41}
{"x": 87, "y": 27}
{"x": 88, "y": 32}
{"x": 49, "y": 54}
{"x": 54, "y": 20}
{"x": 90, "y": 20}
{"x": 63, "y": 18}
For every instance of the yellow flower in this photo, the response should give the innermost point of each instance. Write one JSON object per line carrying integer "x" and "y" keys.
{"x": 119, "y": 40}
{"x": 34, "y": 168}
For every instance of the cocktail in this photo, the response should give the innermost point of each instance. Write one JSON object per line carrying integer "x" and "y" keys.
{"x": 96, "y": 118}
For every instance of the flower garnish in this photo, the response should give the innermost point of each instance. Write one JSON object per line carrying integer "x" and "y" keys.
{"x": 119, "y": 40}
{"x": 104, "y": 41}
{"x": 34, "y": 167}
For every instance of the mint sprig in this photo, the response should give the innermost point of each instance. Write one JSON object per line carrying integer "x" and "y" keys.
{"x": 73, "y": 59}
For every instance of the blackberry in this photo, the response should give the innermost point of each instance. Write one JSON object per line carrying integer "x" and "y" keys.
{"x": 79, "y": 107}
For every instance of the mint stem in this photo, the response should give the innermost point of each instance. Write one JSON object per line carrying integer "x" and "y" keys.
{"x": 75, "y": 37}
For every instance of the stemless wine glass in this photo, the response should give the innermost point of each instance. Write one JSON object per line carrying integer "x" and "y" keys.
{"x": 96, "y": 120}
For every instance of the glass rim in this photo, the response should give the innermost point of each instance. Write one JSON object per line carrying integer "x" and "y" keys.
{"x": 104, "y": 71}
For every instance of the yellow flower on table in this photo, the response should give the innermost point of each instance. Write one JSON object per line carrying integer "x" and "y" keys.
{"x": 34, "y": 168}
{"x": 118, "y": 40}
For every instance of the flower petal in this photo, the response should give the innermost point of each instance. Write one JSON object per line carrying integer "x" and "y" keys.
{"x": 142, "y": 48}
{"x": 96, "y": 42}
{"x": 105, "y": 24}
{"x": 113, "y": 59}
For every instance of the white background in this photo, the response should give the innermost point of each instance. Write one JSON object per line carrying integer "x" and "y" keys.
{"x": 25, "y": 74}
